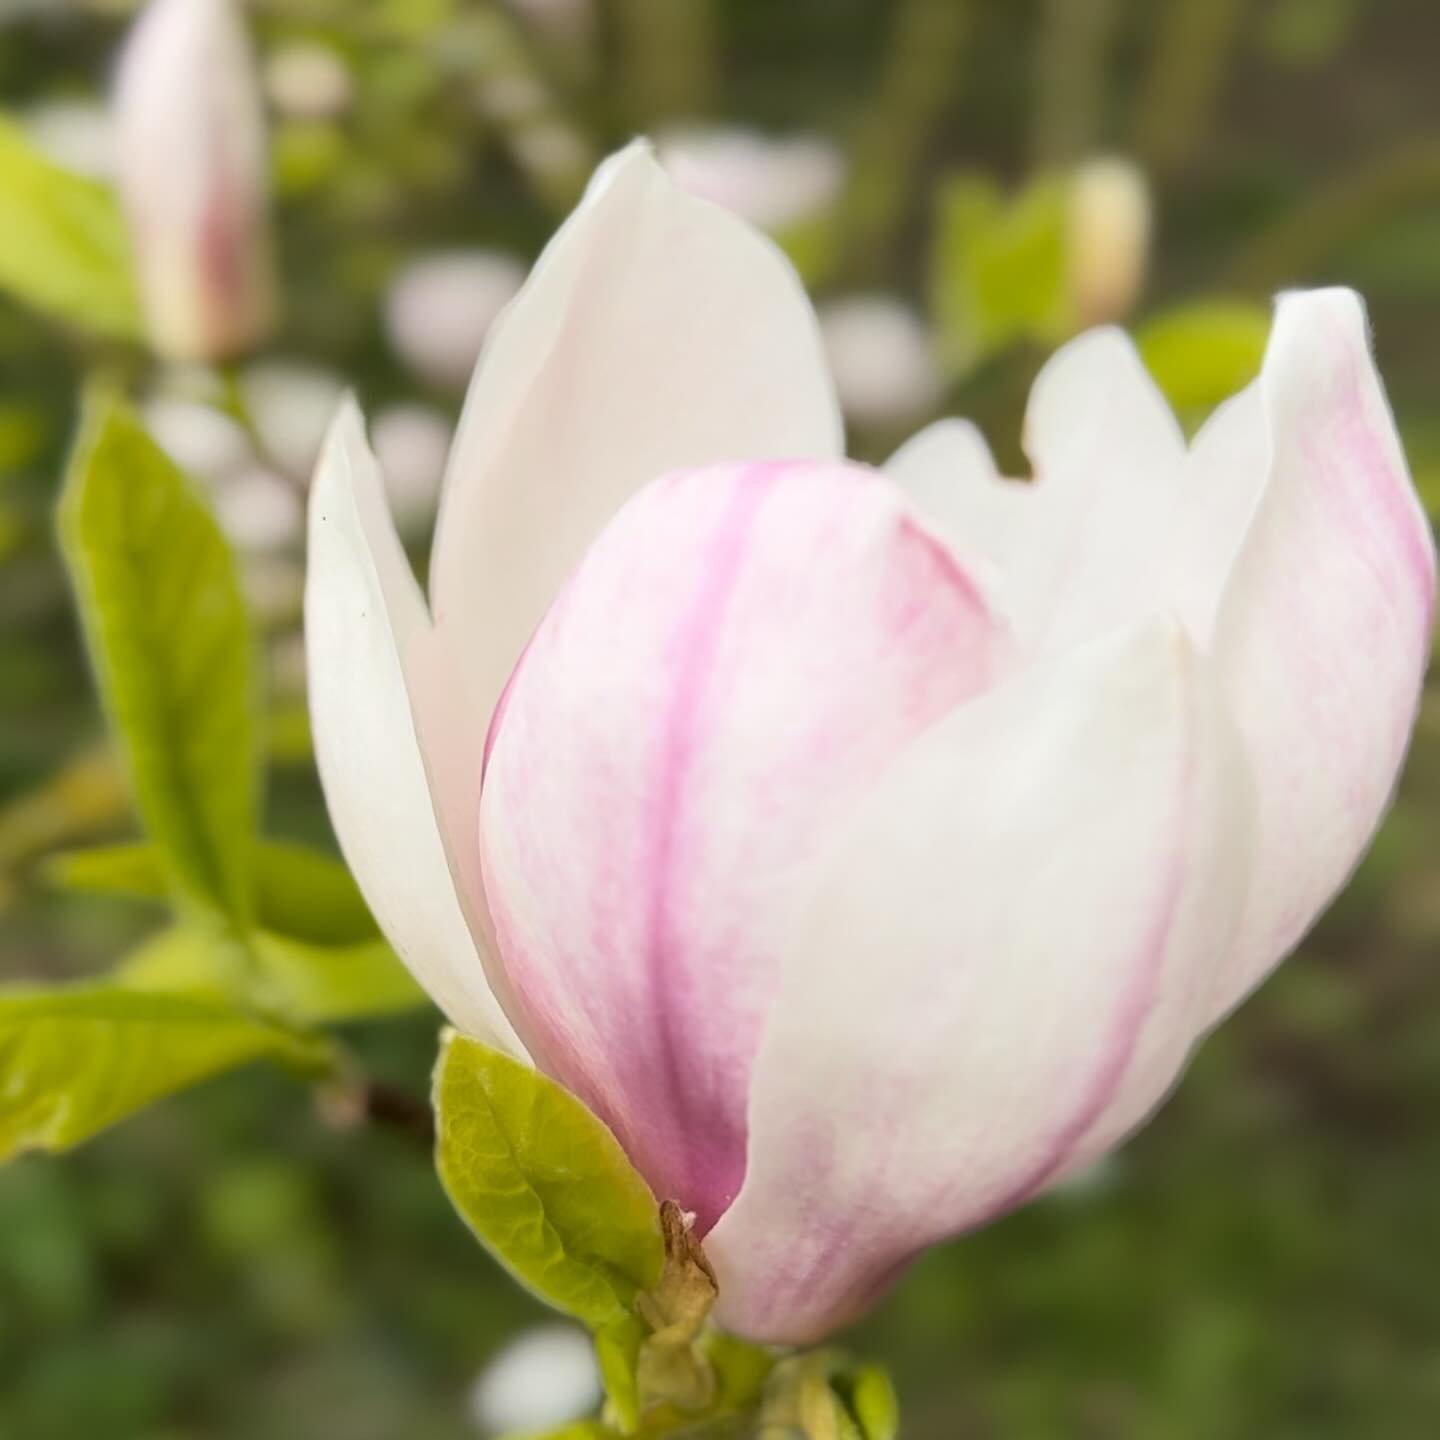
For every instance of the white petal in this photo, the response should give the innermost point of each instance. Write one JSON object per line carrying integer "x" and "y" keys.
{"x": 656, "y": 333}
{"x": 735, "y": 664}
{"x": 1324, "y": 629}
{"x": 1002, "y": 967}
{"x": 948, "y": 474}
{"x": 362, "y": 607}
{"x": 1108, "y": 455}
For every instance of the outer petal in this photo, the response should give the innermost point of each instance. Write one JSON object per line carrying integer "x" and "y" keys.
{"x": 657, "y": 332}
{"x": 361, "y": 607}
{"x": 1323, "y": 633}
{"x": 735, "y": 661}
{"x": 1002, "y": 966}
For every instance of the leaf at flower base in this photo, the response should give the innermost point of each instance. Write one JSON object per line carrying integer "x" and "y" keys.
{"x": 580, "y": 1430}
{"x": 543, "y": 1184}
{"x": 617, "y": 1349}
{"x": 63, "y": 245}
{"x": 75, "y": 1060}
{"x": 870, "y": 1398}
{"x": 308, "y": 984}
{"x": 162, "y": 610}
{"x": 1201, "y": 354}
{"x": 299, "y": 893}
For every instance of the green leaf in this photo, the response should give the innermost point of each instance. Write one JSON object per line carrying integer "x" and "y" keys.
{"x": 161, "y": 604}
{"x": 308, "y": 984}
{"x": 75, "y": 1060}
{"x": 63, "y": 244}
{"x": 300, "y": 893}
{"x": 543, "y": 1184}
{"x": 617, "y": 1348}
{"x": 998, "y": 269}
{"x": 1201, "y": 354}
{"x": 870, "y": 1398}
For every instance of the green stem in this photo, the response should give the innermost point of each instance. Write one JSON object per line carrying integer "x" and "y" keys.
{"x": 1328, "y": 218}
{"x": 1070, "y": 63}
{"x": 1183, "y": 84}
{"x": 919, "y": 77}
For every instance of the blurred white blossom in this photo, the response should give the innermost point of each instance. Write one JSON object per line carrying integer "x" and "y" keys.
{"x": 259, "y": 510}
{"x": 880, "y": 356}
{"x": 441, "y": 306}
{"x": 308, "y": 82}
{"x": 541, "y": 1380}
{"x": 291, "y": 404}
{"x": 412, "y": 443}
{"x": 771, "y": 182}
{"x": 566, "y": 16}
{"x": 200, "y": 439}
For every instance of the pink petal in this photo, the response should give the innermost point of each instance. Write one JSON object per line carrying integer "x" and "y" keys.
{"x": 656, "y": 332}
{"x": 1323, "y": 630}
{"x": 737, "y": 659}
{"x": 1001, "y": 967}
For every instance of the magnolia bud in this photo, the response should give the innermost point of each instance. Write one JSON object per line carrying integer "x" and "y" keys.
{"x": 1109, "y": 221}
{"x": 192, "y": 170}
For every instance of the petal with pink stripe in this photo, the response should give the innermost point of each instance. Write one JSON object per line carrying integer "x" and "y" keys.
{"x": 1324, "y": 622}
{"x": 738, "y": 658}
{"x": 1000, "y": 965}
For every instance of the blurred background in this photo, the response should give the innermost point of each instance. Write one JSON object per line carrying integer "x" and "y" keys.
{"x": 963, "y": 183}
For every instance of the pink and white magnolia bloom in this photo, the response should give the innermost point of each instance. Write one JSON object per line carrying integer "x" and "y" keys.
{"x": 193, "y": 173}
{"x": 869, "y": 848}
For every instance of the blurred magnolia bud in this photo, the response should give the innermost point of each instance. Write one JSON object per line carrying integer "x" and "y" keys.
{"x": 291, "y": 405}
{"x": 772, "y": 183}
{"x": 544, "y": 1379}
{"x": 1109, "y": 222}
{"x": 881, "y": 358}
{"x": 441, "y": 306}
{"x": 193, "y": 174}
{"x": 412, "y": 444}
{"x": 308, "y": 82}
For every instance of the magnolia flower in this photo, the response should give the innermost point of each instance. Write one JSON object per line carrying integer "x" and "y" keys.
{"x": 868, "y": 848}
{"x": 192, "y": 170}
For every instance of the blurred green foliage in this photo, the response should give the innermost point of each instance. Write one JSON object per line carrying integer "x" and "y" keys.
{"x": 245, "y": 1261}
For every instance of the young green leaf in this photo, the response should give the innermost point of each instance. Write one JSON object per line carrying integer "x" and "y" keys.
{"x": 161, "y": 605}
{"x": 75, "y": 1060}
{"x": 63, "y": 246}
{"x": 998, "y": 269}
{"x": 309, "y": 984}
{"x": 543, "y": 1184}
{"x": 1201, "y": 354}
{"x": 870, "y": 1398}
{"x": 300, "y": 893}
